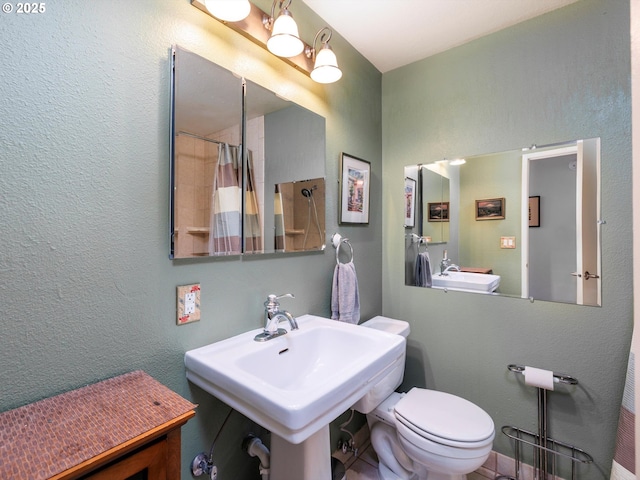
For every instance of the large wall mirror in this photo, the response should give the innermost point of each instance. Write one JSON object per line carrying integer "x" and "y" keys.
{"x": 247, "y": 167}
{"x": 522, "y": 223}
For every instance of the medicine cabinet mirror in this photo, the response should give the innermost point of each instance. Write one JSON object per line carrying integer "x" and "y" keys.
{"x": 228, "y": 199}
{"x": 529, "y": 216}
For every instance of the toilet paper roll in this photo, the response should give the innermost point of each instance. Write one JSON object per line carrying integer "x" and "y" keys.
{"x": 536, "y": 377}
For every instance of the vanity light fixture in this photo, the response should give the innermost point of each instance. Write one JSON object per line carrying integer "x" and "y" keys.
{"x": 229, "y": 10}
{"x": 458, "y": 161}
{"x": 325, "y": 68}
{"x": 285, "y": 39}
{"x": 277, "y": 33}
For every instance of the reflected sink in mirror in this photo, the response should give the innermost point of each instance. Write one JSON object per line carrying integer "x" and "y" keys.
{"x": 296, "y": 384}
{"x": 467, "y": 282}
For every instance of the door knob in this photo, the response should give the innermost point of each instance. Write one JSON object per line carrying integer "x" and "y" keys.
{"x": 587, "y": 275}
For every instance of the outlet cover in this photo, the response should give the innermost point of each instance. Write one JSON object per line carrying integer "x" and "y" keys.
{"x": 507, "y": 242}
{"x": 188, "y": 303}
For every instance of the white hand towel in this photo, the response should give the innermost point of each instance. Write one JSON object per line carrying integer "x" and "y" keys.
{"x": 345, "y": 301}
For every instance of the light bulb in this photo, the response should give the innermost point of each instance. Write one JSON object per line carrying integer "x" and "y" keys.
{"x": 228, "y": 10}
{"x": 326, "y": 68}
{"x": 285, "y": 40}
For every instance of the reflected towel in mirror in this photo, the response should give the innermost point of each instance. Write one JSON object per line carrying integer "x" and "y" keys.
{"x": 423, "y": 270}
{"x": 345, "y": 301}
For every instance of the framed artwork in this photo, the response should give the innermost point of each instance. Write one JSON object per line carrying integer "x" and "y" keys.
{"x": 355, "y": 184}
{"x": 534, "y": 211}
{"x": 409, "y": 202}
{"x": 490, "y": 209}
{"x": 438, "y": 211}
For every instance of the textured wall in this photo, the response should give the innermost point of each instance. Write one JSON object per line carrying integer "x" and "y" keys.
{"x": 87, "y": 289}
{"x": 562, "y": 76}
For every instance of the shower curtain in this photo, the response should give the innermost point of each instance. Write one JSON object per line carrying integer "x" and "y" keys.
{"x": 225, "y": 217}
{"x": 624, "y": 467}
{"x": 253, "y": 229}
{"x": 280, "y": 243}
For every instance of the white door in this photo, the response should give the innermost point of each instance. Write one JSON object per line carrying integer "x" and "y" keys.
{"x": 587, "y": 223}
{"x": 587, "y": 205}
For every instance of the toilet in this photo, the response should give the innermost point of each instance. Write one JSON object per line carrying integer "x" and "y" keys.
{"x": 423, "y": 434}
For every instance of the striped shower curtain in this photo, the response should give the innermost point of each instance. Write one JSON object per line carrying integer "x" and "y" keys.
{"x": 225, "y": 218}
{"x": 624, "y": 467}
{"x": 253, "y": 229}
{"x": 280, "y": 243}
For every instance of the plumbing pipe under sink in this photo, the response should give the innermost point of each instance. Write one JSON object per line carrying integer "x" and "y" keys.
{"x": 254, "y": 447}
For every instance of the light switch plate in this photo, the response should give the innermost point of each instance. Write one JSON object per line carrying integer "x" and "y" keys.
{"x": 188, "y": 303}
{"x": 507, "y": 242}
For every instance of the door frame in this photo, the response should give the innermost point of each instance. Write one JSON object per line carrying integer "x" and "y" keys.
{"x": 524, "y": 234}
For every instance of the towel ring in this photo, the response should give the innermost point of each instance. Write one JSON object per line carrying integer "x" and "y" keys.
{"x": 337, "y": 240}
{"x": 420, "y": 240}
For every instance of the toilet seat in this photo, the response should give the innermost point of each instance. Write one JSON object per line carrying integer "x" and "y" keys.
{"x": 443, "y": 418}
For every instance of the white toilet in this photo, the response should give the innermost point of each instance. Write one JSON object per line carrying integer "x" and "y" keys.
{"x": 423, "y": 434}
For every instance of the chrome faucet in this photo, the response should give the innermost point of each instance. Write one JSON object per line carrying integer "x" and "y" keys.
{"x": 444, "y": 263}
{"x": 273, "y": 316}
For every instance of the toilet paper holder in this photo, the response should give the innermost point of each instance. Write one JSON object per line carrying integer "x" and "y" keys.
{"x": 545, "y": 449}
{"x": 557, "y": 377}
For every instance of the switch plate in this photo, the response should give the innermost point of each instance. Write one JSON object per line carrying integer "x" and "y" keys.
{"x": 188, "y": 303}
{"x": 507, "y": 242}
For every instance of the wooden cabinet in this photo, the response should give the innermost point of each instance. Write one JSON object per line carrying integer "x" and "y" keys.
{"x": 148, "y": 463}
{"x": 125, "y": 428}
{"x": 154, "y": 455}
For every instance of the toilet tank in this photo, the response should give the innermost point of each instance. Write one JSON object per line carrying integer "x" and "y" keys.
{"x": 386, "y": 385}
{"x": 391, "y": 325}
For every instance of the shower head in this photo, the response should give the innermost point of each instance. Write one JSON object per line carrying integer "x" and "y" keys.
{"x": 306, "y": 192}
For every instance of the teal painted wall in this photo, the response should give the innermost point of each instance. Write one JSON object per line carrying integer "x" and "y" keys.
{"x": 87, "y": 289}
{"x": 562, "y": 76}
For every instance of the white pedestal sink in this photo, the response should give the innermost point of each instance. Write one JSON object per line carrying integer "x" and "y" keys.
{"x": 467, "y": 282}
{"x": 296, "y": 384}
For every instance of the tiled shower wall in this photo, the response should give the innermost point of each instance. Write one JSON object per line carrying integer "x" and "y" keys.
{"x": 195, "y": 167}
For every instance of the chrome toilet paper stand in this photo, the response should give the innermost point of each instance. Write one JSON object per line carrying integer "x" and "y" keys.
{"x": 546, "y": 450}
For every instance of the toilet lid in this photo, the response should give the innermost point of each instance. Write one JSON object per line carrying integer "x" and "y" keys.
{"x": 443, "y": 417}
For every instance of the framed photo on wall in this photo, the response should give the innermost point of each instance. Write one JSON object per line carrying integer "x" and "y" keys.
{"x": 409, "y": 202}
{"x": 438, "y": 211}
{"x": 490, "y": 209}
{"x": 534, "y": 211}
{"x": 355, "y": 185}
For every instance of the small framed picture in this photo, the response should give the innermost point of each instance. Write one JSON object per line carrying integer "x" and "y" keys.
{"x": 490, "y": 209}
{"x": 355, "y": 185}
{"x": 409, "y": 202}
{"x": 438, "y": 212}
{"x": 534, "y": 211}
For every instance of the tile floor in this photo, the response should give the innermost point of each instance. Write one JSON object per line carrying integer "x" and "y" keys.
{"x": 364, "y": 466}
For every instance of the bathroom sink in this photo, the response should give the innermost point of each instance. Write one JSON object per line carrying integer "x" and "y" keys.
{"x": 467, "y": 282}
{"x": 296, "y": 384}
